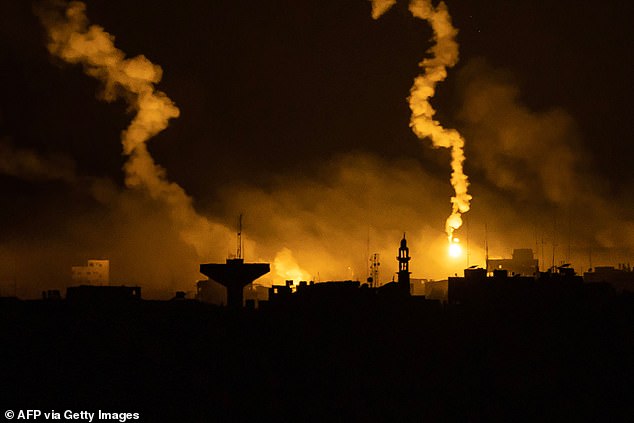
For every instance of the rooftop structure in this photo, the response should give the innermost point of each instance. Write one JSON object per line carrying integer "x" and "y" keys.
{"x": 621, "y": 278}
{"x": 522, "y": 262}
{"x": 477, "y": 287}
{"x": 95, "y": 272}
{"x": 90, "y": 294}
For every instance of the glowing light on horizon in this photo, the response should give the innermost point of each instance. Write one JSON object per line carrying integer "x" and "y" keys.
{"x": 455, "y": 250}
{"x": 285, "y": 268}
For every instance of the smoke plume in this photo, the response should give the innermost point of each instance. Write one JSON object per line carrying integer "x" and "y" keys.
{"x": 379, "y": 7}
{"x": 72, "y": 39}
{"x": 444, "y": 54}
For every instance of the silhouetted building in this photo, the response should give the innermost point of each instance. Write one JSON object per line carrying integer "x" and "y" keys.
{"x": 256, "y": 293}
{"x": 342, "y": 294}
{"x": 210, "y": 291}
{"x": 435, "y": 290}
{"x": 51, "y": 295}
{"x": 522, "y": 263}
{"x": 621, "y": 279}
{"x": 282, "y": 293}
{"x": 180, "y": 296}
{"x": 476, "y": 287}
{"x": 91, "y": 294}
{"x": 234, "y": 276}
{"x": 417, "y": 286}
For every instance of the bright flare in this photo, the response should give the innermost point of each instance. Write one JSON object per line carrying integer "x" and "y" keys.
{"x": 455, "y": 250}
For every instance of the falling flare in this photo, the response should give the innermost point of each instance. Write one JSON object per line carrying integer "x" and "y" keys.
{"x": 72, "y": 39}
{"x": 444, "y": 54}
{"x": 455, "y": 250}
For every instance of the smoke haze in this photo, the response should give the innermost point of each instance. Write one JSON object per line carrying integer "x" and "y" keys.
{"x": 296, "y": 120}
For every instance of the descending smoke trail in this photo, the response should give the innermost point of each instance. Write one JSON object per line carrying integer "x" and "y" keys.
{"x": 444, "y": 53}
{"x": 379, "y": 7}
{"x": 73, "y": 40}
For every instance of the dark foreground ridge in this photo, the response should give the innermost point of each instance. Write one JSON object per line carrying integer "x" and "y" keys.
{"x": 388, "y": 359}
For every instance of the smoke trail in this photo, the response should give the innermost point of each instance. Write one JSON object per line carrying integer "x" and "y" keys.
{"x": 444, "y": 54}
{"x": 74, "y": 41}
{"x": 379, "y": 7}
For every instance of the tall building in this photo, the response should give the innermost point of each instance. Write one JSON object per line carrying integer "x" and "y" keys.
{"x": 96, "y": 272}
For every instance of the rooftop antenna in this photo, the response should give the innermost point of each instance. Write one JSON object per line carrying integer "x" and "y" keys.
{"x": 590, "y": 257}
{"x": 15, "y": 277}
{"x": 543, "y": 259}
{"x": 569, "y": 234}
{"x": 554, "y": 239}
{"x": 537, "y": 247}
{"x": 486, "y": 247}
{"x": 367, "y": 254}
{"x": 239, "y": 252}
{"x": 373, "y": 279}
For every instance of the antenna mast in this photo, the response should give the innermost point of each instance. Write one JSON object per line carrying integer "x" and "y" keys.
{"x": 486, "y": 247}
{"x": 239, "y": 252}
{"x": 554, "y": 241}
{"x": 367, "y": 253}
{"x": 543, "y": 259}
{"x": 374, "y": 271}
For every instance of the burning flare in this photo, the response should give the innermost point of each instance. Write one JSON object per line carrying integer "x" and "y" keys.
{"x": 455, "y": 250}
{"x": 444, "y": 54}
{"x": 74, "y": 41}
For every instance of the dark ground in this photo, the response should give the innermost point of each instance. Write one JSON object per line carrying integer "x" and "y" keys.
{"x": 392, "y": 361}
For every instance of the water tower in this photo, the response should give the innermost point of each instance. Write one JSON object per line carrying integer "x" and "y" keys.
{"x": 235, "y": 274}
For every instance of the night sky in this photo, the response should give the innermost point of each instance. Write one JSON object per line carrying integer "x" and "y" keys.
{"x": 294, "y": 113}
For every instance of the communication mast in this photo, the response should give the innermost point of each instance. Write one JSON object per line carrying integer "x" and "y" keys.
{"x": 239, "y": 252}
{"x": 486, "y": 247}
{"x": 373, "y": 279}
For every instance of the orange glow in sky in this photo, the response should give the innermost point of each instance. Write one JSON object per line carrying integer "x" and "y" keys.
{"x": 455, "y": 250}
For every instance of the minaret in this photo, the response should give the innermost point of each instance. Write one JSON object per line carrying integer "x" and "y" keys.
{"x": 403, "y": 267}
